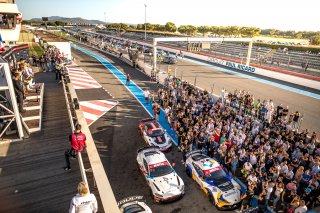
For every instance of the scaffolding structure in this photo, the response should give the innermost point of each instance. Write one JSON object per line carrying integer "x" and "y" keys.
{"x": 9, "y": 112}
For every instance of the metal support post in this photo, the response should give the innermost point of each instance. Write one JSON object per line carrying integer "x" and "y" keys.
{"x": 249, "y": 53}
{"x": 145, "y": 22}
{"x": 154, "y": 55}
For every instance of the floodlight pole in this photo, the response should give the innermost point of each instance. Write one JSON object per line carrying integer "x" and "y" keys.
{"x": 154, "y": 55}
{"x": 145, "y": 22}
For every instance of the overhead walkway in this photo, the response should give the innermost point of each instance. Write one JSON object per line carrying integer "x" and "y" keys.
{"x": 31, "y": 171}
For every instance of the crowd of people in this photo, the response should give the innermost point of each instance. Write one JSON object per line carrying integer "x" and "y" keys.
{"x": 23, "y": 72}
{"x": 23, "y": 81}
{"x": 51, "y": 61}
{"x": 257, "y": 142}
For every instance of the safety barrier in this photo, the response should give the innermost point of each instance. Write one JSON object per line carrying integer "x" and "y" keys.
{"x": 72, "y": 123}
{"x": 105, "y": 191}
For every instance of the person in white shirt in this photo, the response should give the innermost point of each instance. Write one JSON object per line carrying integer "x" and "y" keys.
{"x": 146, "y": 95}
{"x": 83, "y": 202}
{"x": 252, "y": 179}
{"x": 302, "y": 207}
{"x": 253, "y": 159}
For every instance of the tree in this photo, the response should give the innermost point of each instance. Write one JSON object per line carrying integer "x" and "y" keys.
{"x": 170, "y": 27}
{"x": 203, "y": 29}
{"x": 149, "y": 26}
{"x": 250, "y": 31}
{"x": 26, "y": 22}
{"x": 235, "y": 31}
{"x": 315, "y": 40}
{"x": 123, "y": 26}
{"x": 299, "y": 35}
{"x": 182, "y": 29}
{"x": 140, "y": 26}
{"x": 214, "y": 30}
{"x": 132, "y": 27}
{"x": 159, "y": 27}
{"x": 60, "y": 23}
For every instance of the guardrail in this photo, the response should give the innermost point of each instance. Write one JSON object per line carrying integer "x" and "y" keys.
{"x": 72, "y": 123}
{"x": 105, "y": 191}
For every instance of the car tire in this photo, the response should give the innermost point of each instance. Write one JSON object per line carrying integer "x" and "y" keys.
{"x": 188, "y": 172}
{"x": 211, "y": 199}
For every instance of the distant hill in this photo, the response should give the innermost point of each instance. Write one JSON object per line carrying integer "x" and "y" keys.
{"x": 73, "y": 20}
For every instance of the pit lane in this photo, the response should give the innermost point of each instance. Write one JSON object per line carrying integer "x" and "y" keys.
{"x": 117, "y": 141}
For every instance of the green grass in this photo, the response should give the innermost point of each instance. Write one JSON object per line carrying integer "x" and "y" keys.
{"x": 25, "y": 37}
{"x": 36, "y": 49}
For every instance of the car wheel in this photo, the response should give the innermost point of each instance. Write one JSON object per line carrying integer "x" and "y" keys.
{"x": 211, "y": 199}
{"x": 188, "y": 172}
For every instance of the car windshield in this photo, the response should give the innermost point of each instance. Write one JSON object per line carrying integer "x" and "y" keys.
{"x": 155, "y": 132}
{"x": 214, "y": 175}
{"x": 160, "y": 170}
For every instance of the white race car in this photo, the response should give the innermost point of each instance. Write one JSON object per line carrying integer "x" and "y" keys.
{"x": 163, "y": 181}
{"x": 133, "y": 204}
{"x": 223, "y": 191}
{"x": 153, "y": 134}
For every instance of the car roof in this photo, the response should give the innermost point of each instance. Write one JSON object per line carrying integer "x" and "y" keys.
{"x": 152, "y": 125}
{"x": 204, "y": 162}
{"x": 154, "y": 157}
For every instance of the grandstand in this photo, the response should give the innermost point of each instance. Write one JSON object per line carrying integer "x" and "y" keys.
{"x": 290, "y": 60}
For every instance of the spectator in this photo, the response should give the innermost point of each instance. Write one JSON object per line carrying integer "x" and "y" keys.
{"x": 146, "y": 95}
{"x": 18, "y": 88}
{"x": 302, "y": 207}
{"x": 83, "y": 202}
{"x": 128, "y": 79}
{"x": 78, "y": 143}
{"x": 246, "y": 135}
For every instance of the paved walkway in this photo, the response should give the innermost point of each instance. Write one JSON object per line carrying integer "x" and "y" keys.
{"x": 32, "y": 178}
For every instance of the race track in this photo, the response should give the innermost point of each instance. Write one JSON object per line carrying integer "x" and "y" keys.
{"x": 116, "y": 133}
{"x": 117, "y": 140}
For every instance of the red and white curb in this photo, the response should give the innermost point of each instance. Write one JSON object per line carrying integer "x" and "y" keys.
{"x": 93, "y": 110}
{"x": 81, "y": 79}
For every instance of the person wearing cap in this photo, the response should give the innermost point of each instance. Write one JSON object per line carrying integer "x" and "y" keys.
{"x": 307, "y": 197}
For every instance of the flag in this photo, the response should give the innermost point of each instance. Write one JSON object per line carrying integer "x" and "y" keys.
{"x": 1, "y": 45}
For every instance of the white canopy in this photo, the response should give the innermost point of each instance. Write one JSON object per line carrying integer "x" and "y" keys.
{"x": 9, "y": 8}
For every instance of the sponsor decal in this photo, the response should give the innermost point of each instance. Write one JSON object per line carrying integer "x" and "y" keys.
{"x": 240, "y": 67}
{"x": 152, "y": 166}
{"x": 130, "y": 199}
{"x": 208, "y": 171}
{"x": 230, "y": 193}
{"x": 232, "y": 65}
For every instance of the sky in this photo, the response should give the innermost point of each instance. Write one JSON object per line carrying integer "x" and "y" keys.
{"x": 296, "y": 15}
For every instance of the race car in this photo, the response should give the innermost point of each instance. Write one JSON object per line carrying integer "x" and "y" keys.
{"x": 133, "y": 204}
{"x": 223, "y": 191}
{"x": 164, "y": 182}
{"x": 153, "y": 134}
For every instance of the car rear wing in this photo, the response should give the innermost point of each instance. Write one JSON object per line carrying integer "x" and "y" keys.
{"x": 131, "y": 199}
{"x": 146, "y": 120}
{"x": 194, "y": 152}
{"x": 149, "y": 148}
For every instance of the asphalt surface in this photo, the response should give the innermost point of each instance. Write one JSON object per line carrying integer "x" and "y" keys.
{"x": 117, "y": 140}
